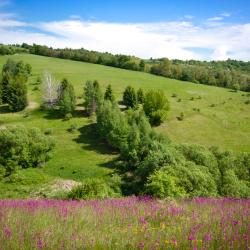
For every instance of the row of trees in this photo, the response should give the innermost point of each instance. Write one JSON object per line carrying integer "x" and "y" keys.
{"x": 151, "y": 164}
{"x": 154, "y": 103}
{"x": 12, "y": 49}
{"x": 13, "y": 89}
{"x": 209, "y": 74}
{"x": 230, "y": 74}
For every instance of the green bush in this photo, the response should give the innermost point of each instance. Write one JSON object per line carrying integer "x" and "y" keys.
{"x": 92, "y": 189}
{"x": 156, "y": 106}
{"x": 23, "y": 148}
{"x": 162, "y": 185}
{"x": 130, "y": 97}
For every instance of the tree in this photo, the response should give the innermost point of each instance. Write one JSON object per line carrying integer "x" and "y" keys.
{"x": 49, "y": 90}
{"x": 140, "y": 96}
{"x": 129, "y": 97}
{"x": 92, "y": 96}
{"x": 142, "y": 65}
{"x": 156, "y": 106}
{"x": 17, "y": 95}
{"x": 67, "y": 99}
{"x": 109, "y": 94}
{"x": 23, "y": 148}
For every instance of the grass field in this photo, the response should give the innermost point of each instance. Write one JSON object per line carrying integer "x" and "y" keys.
{"x": 223, "y": 119}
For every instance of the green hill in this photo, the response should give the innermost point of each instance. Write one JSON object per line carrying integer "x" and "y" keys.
{"x": 212, "y": 116}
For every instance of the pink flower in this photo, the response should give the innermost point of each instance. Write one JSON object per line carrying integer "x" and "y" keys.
{"x": 7, "y": 232}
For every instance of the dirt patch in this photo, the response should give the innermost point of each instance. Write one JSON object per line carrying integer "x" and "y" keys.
{"x": 33, "y": 105}
{"x": 50, "y": 190}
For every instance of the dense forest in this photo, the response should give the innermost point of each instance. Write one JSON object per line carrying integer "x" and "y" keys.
{"x": 231, "y": 74}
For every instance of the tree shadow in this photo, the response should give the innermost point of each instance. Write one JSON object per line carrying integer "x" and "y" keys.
{"x": 52, "y": 114}
{"x": 91, "y": 140}
{"x": 4, "y": 109}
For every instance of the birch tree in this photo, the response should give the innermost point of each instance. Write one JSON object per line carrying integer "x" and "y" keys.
{"x": 50, "y": 89}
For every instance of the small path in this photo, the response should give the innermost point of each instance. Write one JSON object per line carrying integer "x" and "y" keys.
{"x": 32, "y": 105}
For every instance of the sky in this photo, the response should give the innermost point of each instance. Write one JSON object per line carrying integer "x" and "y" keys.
{"x": 176, "y": 29}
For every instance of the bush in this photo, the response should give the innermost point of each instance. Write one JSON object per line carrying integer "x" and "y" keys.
{"x": 48, "y": 131}
{"x": 130, "y": 97}
{"x": 140, "y": 96}
{"x": 92, "y": 189}
{"x": 156, "y": 107}
{"x": 233, "y": 187}
{"x": 162, "y": 185}
{"x": 23, "y": 148}
{"x": 68, "y": 116}
{"x": 72, "y": 128}
{"x": 109, "y": 94}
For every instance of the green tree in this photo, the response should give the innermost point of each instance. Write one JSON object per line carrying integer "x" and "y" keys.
{"x": 109, "y": 94}
{"x": 17, "y": 95}
{"x": 156, "y": 106}
{"x": 67, "y": 99}
{"x": 130, "y": 97}
{"x": 162, "y": 185}
{"x": 92, "y": 96}
{"x": 23, "y": 148}
{"x": 140, "y": 96}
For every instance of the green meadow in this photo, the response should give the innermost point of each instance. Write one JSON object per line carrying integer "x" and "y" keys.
{"x": 212, "y": 116}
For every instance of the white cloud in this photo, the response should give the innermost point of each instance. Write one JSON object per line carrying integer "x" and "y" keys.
{"x": 215, "y": 18}
{"x": 178, "y": 39}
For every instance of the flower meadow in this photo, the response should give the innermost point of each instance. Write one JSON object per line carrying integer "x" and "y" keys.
{"x": 125, "y": 223}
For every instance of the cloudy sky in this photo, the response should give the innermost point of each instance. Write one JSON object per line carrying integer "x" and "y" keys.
{"x": 194, "y": 29}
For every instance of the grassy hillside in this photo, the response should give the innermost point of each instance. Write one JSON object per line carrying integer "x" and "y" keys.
{"x": 223, "y": 119}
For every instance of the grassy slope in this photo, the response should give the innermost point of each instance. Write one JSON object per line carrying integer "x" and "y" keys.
{"x": 80, "y": 155}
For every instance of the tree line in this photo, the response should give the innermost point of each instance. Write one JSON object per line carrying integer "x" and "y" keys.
{"x": 231, "y": 74}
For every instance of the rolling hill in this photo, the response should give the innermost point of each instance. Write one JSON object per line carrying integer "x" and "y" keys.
{"x": 212, "y": 116}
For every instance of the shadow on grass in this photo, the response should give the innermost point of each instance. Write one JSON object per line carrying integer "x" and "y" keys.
{"x": 53, "y": 114}
{"x": 4, "y": 109}
{"x": 91, "y": 141}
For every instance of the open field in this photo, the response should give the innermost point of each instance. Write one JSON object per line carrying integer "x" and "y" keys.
{"x": 223, "y": 119}
{"x": 126, "y": 223}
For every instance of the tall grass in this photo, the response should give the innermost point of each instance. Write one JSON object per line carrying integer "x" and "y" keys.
{"x": 126, "y": 223}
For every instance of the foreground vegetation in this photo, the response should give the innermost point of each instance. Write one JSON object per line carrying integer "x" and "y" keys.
{"x": 127, "y": 223}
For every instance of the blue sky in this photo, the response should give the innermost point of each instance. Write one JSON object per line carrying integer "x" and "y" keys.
{"x": 215, "y": 29}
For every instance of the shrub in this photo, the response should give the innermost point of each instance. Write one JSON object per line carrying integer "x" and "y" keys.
{"x": 181, "y": 117}
{"x": 109, "y": 94}
{"x": 68, "y": 116}
{"x": 174, "y": 95}
{"x": 48, "y": 131}
{"x": 140, "y": 96}
{"x": 23, "y": 148}
{"x": 162, "y": 185}
{"x": 233, "y": 187}
{"x": 92, "y": 189}
{"x": 130, "y": 97}
{"x": 156, "y": 106}
{"x": 72, "y": 128}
